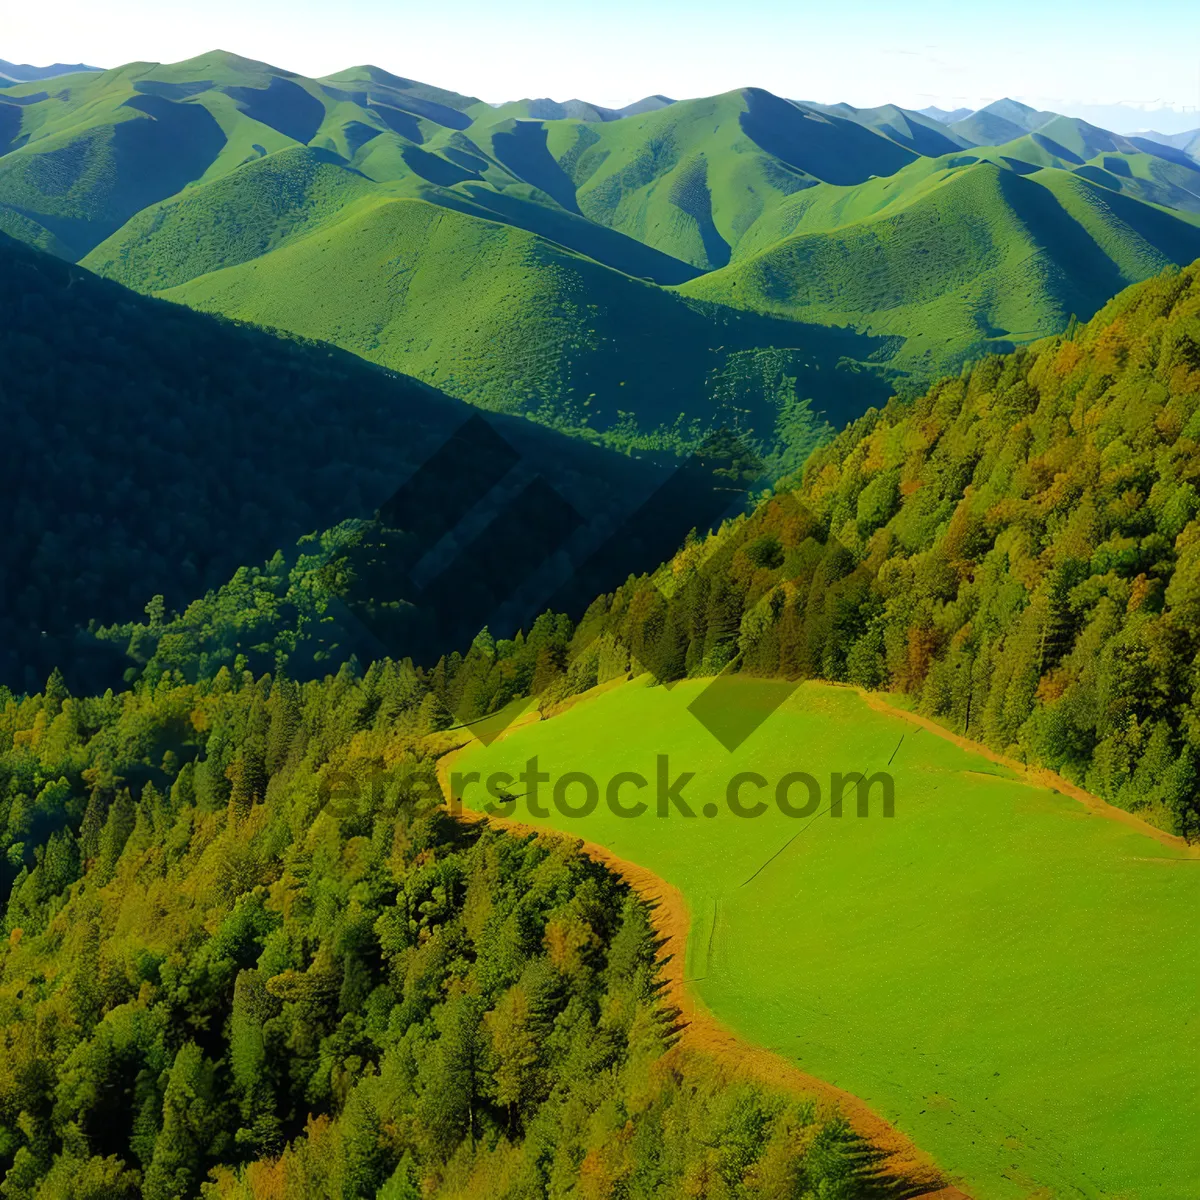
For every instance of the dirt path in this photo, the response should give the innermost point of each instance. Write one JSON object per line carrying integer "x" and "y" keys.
{"x": 1036, "y": 776}
{"x": 903, "y": 1159}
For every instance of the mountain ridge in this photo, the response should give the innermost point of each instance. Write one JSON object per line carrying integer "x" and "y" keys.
{"x": 219, "y": 178}
{"x": 26, "y": 73}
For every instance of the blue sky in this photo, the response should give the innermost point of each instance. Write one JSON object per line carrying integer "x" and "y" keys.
{"x": 1059, "y": 54}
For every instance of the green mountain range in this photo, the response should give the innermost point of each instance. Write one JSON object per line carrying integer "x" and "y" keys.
{"x": 638, "y": 275}
{"x": 245, "y": 952}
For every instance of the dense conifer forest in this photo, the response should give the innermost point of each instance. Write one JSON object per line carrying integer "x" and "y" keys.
{"x": 1016, "y": 551}
{"x": 227, "y": 971}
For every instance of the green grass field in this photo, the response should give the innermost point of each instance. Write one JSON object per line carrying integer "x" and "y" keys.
{"x": 1010, "y": 978}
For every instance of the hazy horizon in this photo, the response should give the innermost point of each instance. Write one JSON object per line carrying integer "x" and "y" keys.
{"x": 1081, "y": 61}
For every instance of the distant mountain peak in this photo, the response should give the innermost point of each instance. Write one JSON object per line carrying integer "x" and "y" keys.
{"x": 545, "y": 108}
{"x": 24, "y": 73}
{"x": 230, "y": 56}
{"x": 231, "y": 61}
{"x": 383, "y": 78}
{"x": 1007, "y": 104}
{"x": 371, "y": 72}
{"x": 657, "y": 100}
{"x": 946, "y": 116}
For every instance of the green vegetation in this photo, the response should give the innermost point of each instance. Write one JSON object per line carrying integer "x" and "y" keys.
{"x": 1006, "y": 976}
{"x": 596, "y": 270}
{"x": 225, "y": 974}
{"x": 233, "y": 220}
{"x": 691, "y": 178}
{"x": 1028, "y": 535}
{"x": 220, "y": 978}
{"x": 150, "y": 449}
{"x": 1016, "y": 551}
{"x": 953, "y": 255}
{"x": 515, "y": 323}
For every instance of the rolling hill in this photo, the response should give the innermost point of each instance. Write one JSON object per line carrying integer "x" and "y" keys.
{"x": 638, "y": 275}
{"x": 966, "y": 257}
{"x": 517, "y": 323}
{"x": 152, "y": 450}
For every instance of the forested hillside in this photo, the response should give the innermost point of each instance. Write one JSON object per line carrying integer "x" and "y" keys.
{"x": 150, "y": 449}
{"x": 1016, "y": 551}
{"x": 227, "y": 972}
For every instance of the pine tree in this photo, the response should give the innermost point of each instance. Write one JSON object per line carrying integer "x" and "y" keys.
{"x": 453, "y": 1075}
{"x": 117, "y": 827}
{"x": 56, "y": 692}
{"x": 253, "y": 1076}
{"x": 284, "y": 734}
{"x": 515, "y": 1048}
{"x": 191, "y": 1123}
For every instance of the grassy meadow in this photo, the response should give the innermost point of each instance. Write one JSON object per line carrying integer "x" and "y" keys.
{"x": 1006, "y": 975}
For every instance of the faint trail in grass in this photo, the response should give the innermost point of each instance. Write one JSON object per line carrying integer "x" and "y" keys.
{"x": 712, "y": 933}
{"x": 785, "y": 845}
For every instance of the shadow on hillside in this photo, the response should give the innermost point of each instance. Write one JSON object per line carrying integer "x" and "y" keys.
{"x": 114, "y": 171}
{"x": 522, "y": 149}
{"x": 10, "y": 126}
{"x": 1174, "y": 239}
{"x": 435, "y": 169}
{"x": 1055, "y": 148}
{"x": 1093, "y": 277}
{"x": 398, "y": 121}
{"x": 413, "y": 107}
{"x": 477, "y": 537}
{"x": 284, "y": 106}
{"x": 692, "y": 196}
{"x": 831, "y": 148}
{"x": 1169, "y": 153}
{"x": 608, "y": 246}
